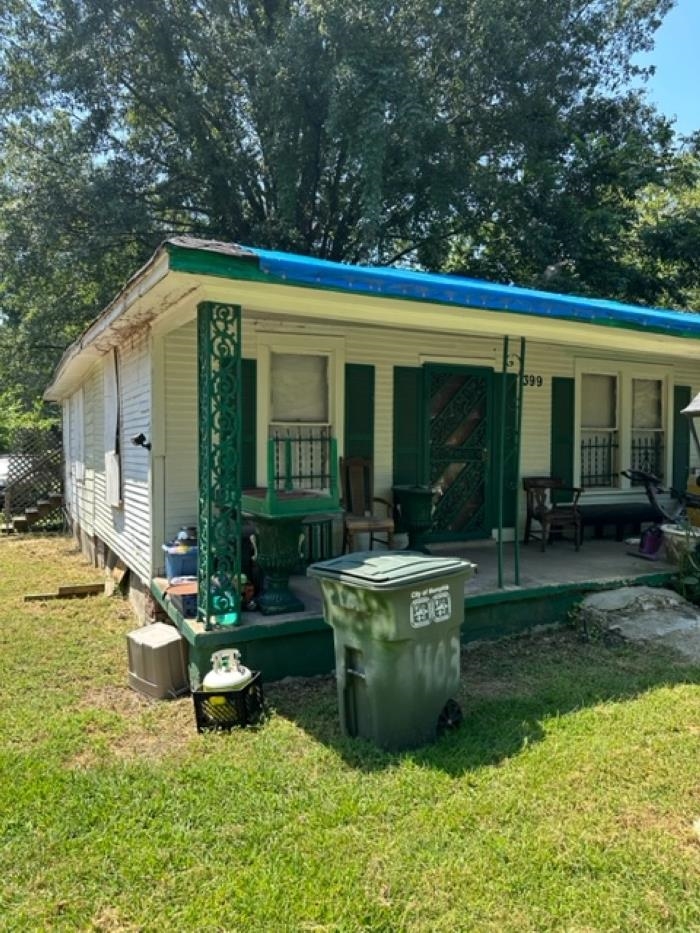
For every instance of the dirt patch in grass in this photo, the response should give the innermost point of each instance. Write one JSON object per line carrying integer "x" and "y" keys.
{"x": 152, "y": 729}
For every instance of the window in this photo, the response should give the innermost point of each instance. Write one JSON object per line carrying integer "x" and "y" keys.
{"x": 622, "y": 422}
{"x": 647, "y": 449}
{"x": 301, "y": 410}
{"x": 299, "y": 388}
{"x": 599, "y": 430}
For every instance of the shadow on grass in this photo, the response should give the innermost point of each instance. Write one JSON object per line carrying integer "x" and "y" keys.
{"x": 508, "y": 689}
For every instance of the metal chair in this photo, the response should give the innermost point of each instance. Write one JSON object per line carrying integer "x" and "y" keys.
{"x": 550, "y": 515}
{"x": 356, "y": 482}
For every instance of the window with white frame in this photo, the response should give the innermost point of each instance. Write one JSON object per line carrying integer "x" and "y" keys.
{"x": 599, "y": 429}
{"x": 622, "y": 422}
{"x": 647, "y": 442}
{"x": 299, "y": 389}
{"x": 302, "y": 410}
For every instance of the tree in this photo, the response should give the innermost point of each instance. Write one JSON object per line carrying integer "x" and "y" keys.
{"x": 489, "y": 136}
{"x": 664, "y": 241}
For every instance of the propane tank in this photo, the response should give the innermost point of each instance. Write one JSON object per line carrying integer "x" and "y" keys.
{"x": 227, "y": 672}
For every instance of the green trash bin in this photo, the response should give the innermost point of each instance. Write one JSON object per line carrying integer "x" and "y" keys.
{"x": 396, "y": 620}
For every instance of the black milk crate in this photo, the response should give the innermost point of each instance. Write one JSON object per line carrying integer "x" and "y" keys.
{"x": 229, "y": 709}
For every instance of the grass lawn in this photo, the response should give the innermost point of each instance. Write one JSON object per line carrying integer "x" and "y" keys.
{"x": 566, "y": 801}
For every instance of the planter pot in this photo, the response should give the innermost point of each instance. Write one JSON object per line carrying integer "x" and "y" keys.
{"x": 678, "y": 541}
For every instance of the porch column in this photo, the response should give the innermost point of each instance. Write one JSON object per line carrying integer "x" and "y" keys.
{"x": 219, "y": 386}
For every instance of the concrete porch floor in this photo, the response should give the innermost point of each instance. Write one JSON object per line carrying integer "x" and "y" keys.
{"x": 551, "y": 583}
{"x": 600, "y": 562}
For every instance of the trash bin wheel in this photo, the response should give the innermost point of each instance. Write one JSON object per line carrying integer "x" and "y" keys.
{"x": 450, "y": 717}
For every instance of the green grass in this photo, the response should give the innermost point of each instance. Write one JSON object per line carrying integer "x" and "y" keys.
{"x": 566, "y": 801}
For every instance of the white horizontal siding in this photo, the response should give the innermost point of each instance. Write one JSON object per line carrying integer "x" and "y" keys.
{"x": 385, "y": 349}
{"x": 381, "y": 347}
{"x": 127, "y": 530}
{"x": 180, "y": 428}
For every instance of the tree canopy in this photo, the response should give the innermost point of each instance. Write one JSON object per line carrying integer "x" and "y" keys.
{"x": 496, "y": 138}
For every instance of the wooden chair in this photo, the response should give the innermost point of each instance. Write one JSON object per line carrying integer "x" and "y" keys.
{"x": 356, "y": 483}
{"x": 550, "y": 515}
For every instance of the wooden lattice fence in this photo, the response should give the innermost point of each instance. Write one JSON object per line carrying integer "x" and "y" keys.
{"x": 33, "y": 492}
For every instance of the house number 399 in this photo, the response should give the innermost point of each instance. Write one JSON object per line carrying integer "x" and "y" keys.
{"x": 530, "y": 380}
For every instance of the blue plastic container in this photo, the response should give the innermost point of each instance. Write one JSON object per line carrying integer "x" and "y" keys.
{"x": 179, "y": 562}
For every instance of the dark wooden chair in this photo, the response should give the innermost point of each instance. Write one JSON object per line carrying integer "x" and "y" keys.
{"x": 550, "y": 515}
{"x": 356, "y": 483}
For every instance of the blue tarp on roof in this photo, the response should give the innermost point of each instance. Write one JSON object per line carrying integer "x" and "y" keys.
{"x": 472, "y": 293}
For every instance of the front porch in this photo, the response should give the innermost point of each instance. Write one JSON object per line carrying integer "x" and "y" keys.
{"x": 301, "y": 644}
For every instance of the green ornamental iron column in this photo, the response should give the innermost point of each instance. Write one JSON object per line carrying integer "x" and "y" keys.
{"x": 219, "y": 384}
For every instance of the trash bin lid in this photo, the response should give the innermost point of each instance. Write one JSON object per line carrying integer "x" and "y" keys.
{"x": 388, "y": 570}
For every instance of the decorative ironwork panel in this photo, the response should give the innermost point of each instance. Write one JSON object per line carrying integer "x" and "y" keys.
{"x": 302, "y": 458}
{"x": 599, "y": 461}
{"x": 458, "y": 448}
{"x": 648, "y": 452}
{"x": 219, "y": 378}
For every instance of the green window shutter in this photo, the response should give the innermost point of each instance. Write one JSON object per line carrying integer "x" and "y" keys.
{"x": 681, "y": 438}
{"x": 409, "y": 454}
{"x": 562, "y": 429}
{"x": 248, "y": 422}
{"x": 359, "y": 411}
{"x": 510, "y": 464}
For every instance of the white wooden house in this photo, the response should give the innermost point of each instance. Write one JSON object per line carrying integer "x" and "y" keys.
{"x": 404, "y": 368}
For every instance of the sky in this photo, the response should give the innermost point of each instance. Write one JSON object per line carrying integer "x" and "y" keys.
{"x": 675, "y": 88}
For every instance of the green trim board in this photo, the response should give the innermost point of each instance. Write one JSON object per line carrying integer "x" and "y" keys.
{"x": 562, "y": 427}
{"x": 359, "y": 411}
{"x": 681, "y": 437}
{"x": 304, "y": 646}
{"x": 300, "y": 647}
{"x": 253, "y": 264}
{"x": 207, "y": 262}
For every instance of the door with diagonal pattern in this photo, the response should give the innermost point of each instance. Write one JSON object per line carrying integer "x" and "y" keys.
{"x": 458, "y": 402}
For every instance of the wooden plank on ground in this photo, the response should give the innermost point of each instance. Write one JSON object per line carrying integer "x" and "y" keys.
{"x": 69, "y": 591}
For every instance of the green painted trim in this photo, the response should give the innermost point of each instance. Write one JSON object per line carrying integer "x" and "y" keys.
{"x": 237, "y": 633}
{"x": 545, "y": 592}
{"x": 205, "y": 262}
{"x": 359, "y": 410}
{"x": 304, "y": 646}
{"x": 562, "y": 430}
{"x": 680, "y": 463}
